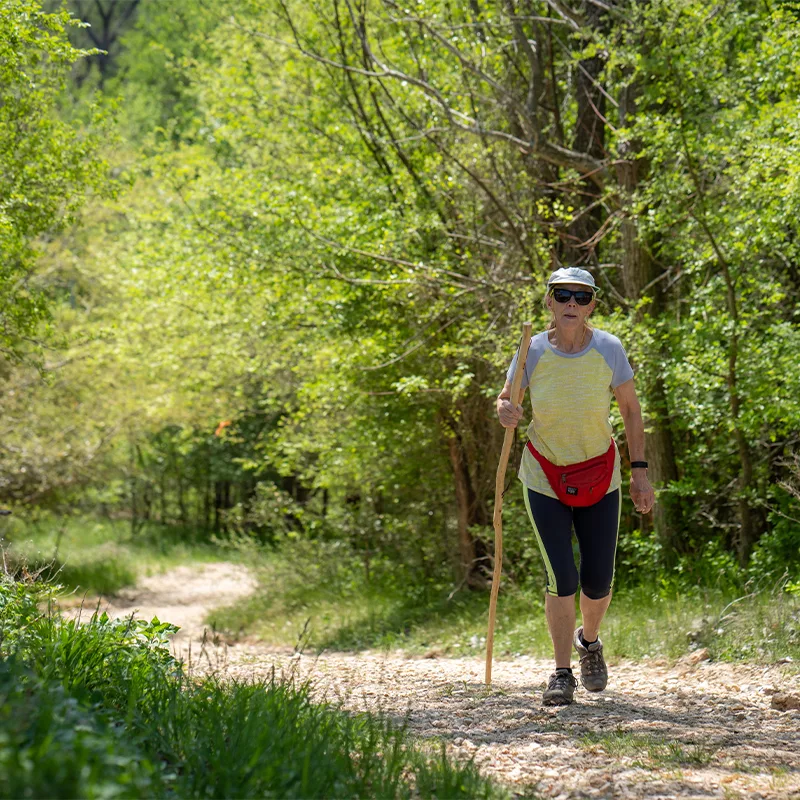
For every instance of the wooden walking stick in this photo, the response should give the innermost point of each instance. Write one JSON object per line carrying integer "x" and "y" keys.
{"x": 508, "y": 440}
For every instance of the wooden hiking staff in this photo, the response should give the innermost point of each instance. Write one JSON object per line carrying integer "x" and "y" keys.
{"x": 508, "y": 440}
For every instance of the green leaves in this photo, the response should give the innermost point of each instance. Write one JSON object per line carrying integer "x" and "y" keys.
{"x": 332, "y": 256}
{"x": 46, "y": 165}
{"x": 103, "y": 710}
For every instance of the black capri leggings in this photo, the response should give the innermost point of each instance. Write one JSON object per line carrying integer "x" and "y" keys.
{"x": 596, "y": 528}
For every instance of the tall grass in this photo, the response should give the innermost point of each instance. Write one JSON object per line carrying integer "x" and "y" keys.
{"x": 103, "y": 710}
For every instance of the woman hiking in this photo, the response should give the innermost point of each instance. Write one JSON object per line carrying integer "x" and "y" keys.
{"x": 570, "y": 470}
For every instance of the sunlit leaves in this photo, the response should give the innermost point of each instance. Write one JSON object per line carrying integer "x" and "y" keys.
{"x": 46, "y": 165}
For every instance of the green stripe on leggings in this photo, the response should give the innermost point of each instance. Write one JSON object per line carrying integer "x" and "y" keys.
{"x": 616, "y": 542}
{"x": 552, "y": 587}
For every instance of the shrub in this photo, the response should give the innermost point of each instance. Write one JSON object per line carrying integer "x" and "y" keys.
{"x": 103, "y": 710}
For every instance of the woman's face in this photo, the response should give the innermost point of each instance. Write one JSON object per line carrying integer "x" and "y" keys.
{"x": 570, "y": 315}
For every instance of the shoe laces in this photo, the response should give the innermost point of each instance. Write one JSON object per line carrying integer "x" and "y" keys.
{"x": 593, "y": 661}
{"x": 560, "y": 680}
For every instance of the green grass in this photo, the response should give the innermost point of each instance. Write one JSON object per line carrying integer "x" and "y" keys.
{"x": 648, "y": 749}
{"x": 98, "y": 556}
{"x": 339, "y": 609}
{"x": 318, "y": 588}
{"x": 103, "y": 710}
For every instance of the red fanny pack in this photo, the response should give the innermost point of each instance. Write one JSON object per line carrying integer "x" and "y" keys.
{"x": 581, "y": 484}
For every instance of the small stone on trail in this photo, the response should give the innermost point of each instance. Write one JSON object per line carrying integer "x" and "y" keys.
{"x": 551, "y": 773}
{"x": 695, "y": 658}
{"x": 786, "y": 701}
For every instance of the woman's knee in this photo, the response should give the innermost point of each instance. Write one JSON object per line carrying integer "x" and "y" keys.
{"x": 596, "y": 590}
{"x": 565, "y": 585}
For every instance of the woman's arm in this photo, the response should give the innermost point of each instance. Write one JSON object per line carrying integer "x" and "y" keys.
{"x": 642, "y": 492}
{"x": 508, "y": 413}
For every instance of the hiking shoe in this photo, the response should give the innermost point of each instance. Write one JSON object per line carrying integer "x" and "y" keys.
{"x": 594, "y": 673}
{"x": 560, "y": 689}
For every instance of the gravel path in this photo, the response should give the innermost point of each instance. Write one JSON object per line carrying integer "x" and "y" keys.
{"x": 183, "y": 596}
{"x": 693, "y": 729}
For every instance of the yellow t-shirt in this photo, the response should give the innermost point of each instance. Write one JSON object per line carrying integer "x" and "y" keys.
{"x": 571, "y": 402}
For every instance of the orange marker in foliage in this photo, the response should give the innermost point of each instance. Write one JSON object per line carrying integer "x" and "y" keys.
{"x": 221, "y": 427}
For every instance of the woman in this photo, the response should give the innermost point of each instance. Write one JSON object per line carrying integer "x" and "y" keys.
{"x": 572, "y": 370}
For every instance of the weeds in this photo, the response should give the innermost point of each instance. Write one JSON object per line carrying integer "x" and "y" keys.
{"x": 348, "y": 613}
{"x": 103, "y": 710}
{"x": 649, "y": 750}
{"x": 322, "y": 585}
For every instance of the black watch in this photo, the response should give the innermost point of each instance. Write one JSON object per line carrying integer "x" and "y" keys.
{"x": 638, "y": 465}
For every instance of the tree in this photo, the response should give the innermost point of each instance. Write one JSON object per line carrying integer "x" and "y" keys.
{"x": 47, "y": 166}
{"x": 104, "y": 22}
{"x": 300, "y": 315}
{"x": 705, "y": 123}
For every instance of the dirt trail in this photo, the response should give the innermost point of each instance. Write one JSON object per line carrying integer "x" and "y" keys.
{"x": 183, "y": 596}
{"x": 693, "y": 729}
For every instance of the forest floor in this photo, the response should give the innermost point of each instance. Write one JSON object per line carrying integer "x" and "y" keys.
{"x": 691, "y": 728}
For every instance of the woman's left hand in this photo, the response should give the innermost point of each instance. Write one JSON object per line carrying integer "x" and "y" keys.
{"x": 642, "y": 493}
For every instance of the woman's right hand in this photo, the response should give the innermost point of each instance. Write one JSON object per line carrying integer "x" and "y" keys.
{"x": 508, "y": 414}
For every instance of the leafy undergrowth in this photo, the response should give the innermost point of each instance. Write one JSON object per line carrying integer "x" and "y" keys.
{"x": 338, "y": 608}
{"x": 103, "y": 710}
{"x": 98, "y": 556}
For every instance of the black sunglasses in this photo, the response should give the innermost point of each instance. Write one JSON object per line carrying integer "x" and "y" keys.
{"x": 582, "y": 296}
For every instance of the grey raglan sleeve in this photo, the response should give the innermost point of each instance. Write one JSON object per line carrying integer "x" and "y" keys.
{"x": 534, "y": 352}
{"x": 621, "y": 368}
{"x": 513, "y": 368}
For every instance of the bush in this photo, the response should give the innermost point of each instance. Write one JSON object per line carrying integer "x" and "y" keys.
{"x": 52, "y": 745}
{"x": 103, "y": 710}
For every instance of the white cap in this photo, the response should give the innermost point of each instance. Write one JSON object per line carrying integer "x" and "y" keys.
{"x": 572, "y": 275}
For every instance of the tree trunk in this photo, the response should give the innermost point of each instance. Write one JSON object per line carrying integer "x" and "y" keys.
{"x": 747, "y": 534}
{"x": 147, "y": 500}
{"x": 638, "y": 274}
{"x": 589, "y": 137}
{"x": 207, "y": 501}
{"x": 132, "y": 483}
{"x": 162, "y": 490}
{"x": 222, "y": 502}
{"x": 182, "y": 500}
{"x": 471, "y": 554}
